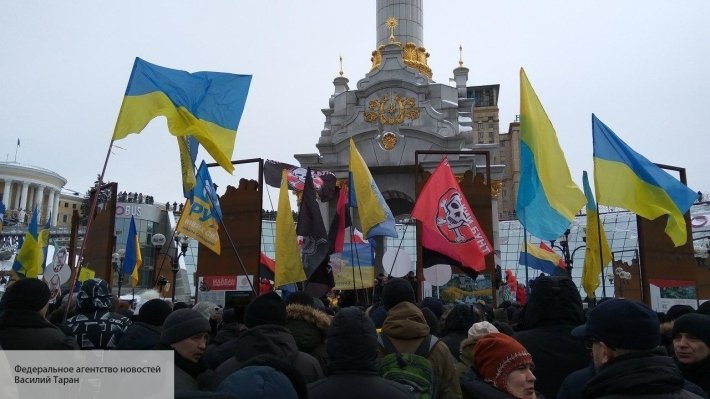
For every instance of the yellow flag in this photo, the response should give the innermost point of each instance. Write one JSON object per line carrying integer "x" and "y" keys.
{"x": 597, "y": 252}
{"x": 369, "y": 208}
{"x": 289, "y": 267}
{"x": 86, "y": 274}
{"x": 139, "y": 262}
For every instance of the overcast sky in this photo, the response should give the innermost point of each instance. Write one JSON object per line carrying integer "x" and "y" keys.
{"x": 642, "y": 67}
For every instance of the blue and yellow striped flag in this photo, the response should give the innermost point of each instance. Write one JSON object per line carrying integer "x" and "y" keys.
{"x": 597, "y": 254}
{"x": 30, "y": 258}
{"x": 133, "y": 259}
{"x": 625, "y": 178}
{"x": 548, "y": 199}
{"x": 205, "y": 105}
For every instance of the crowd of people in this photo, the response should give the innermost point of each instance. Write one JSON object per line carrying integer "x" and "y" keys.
{"x": 297, "y": 347}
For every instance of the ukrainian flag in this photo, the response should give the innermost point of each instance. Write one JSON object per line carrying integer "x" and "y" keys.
{"x": 375, "y": 216}
{"x": 206, "y": 105}
{"x": 548, "y": 199}
{"x": 597, "y": 254}
{"x": 625, "y": 178}
{"x": 30, "y": 257}
{"x": 132, "y": 259}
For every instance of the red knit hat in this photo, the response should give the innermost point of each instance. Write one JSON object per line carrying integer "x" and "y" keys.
{"x": 496, "y": 355}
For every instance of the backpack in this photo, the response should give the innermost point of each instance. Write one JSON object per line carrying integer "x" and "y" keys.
{"x": 412, "y": 370}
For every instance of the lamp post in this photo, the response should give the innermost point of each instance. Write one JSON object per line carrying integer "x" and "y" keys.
{"x": 117, "y": 263}
{"x": 181, "y": 245}
{"x": 564, "y": 248}
{"x": 183, "y": 242}
{"x": 158, "y": 240}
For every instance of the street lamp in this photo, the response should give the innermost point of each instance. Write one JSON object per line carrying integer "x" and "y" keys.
{"x": 117, "y": 263}
{"x": 181, "y": 245}
{"x": 564, "y": 247}
{"x": 183, "y": 242}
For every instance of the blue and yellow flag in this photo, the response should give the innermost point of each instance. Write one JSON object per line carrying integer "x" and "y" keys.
{"x": 205, "y": 105}
{"x": 289, "y": 266}
{"x": 201, "y": 215}
{"x": 625, "y": 178}
{"x": 548, "y": 199}
{"x": 30, "y": 257}
{"x": 188, "y": 147}
{"x": 597, "y": 254}
{"x": 375, "y": 216}
{"x": 133, "y": 259}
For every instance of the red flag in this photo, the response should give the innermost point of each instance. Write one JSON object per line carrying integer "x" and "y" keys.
{"x": 448, "y": 225}
{"x": 339, "y": 241}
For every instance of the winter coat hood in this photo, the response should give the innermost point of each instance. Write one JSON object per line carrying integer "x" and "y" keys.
{"x": 405, "y": 321}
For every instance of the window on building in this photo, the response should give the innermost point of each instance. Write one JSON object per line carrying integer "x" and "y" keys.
{"x": 73, "y": 206}
{"x": 64, "y": 218}
{"x": 66, "y": 205}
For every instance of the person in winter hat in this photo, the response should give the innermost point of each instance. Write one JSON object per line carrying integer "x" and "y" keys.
{"x": 22, "y": 319}
{"x": 623, "y": 335}
{"x": 185, "y": 332}
{"x": 500, "y": 363}
{"x": 476, "y": 331}
{"x": 554, "y": 308}
{"x": 95, "y": 326}
{"x": 145, "y": 333}
{"x": 353, "y": 367}
{"x": 406, "y": 328}
{"x": 691, "y": 348}
{"x": 266, "y": 334}
{"x": 308, "y": 325}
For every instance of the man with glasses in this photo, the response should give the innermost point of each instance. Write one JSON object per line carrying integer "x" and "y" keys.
{"x": 623, "y": 336}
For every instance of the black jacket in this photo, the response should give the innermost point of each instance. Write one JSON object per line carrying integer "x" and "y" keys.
{"x": 25, "y": 329}
{"x": 638, "y": 375}
{"x": 697, "y": 373}
{"x": 223, "y": 345}
{"x": 553, "y": 310}
{"x": 353, "y": 367}
{"x": 139, "y": 336}
{"x": 273, "y": 340}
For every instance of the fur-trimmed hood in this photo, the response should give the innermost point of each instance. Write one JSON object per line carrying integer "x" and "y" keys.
{"x": 308, "y": 314}
{"x": 308, "y": 326}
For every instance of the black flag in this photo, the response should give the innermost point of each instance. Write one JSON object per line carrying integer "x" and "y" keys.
{"x": 311, "y": 228}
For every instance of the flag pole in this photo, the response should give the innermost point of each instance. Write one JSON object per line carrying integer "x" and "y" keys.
{"x": 527, "y": 278}
{"x": 16, "y": 148}
{"x": 601, "y": 257}
{"x": 89, "y": 221}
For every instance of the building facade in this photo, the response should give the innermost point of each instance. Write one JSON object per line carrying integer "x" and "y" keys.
{"x": 25, "y": 188}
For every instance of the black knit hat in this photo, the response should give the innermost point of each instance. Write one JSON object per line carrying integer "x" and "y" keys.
{"x": 26, "y": 294}
{"x": 676, "y": 311}
{"x": 182, "y": 324}
{"x": 154, "y": 312}
{"x": 265, "y": 309}
{"x": 396, "y": 291}
{"x": 694, "y": 323}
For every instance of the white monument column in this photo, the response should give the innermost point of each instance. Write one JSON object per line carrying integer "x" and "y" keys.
{"x": 18, "y": 197}
{"x": 39, "y": 199}
{"x": 6, "y": 193}
{"x": 23, "y": 200}
{"x": 50, "y": 205}
{"x": 55, "y": 208}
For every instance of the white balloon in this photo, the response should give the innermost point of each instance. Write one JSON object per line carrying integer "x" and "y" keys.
{"x": 401, "y": 261}
{"x": 438, "y": 275}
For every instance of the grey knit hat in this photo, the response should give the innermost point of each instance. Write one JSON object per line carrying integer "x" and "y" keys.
{"x": 182, "y": 324}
